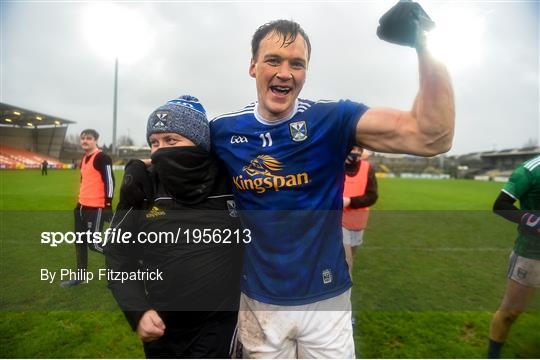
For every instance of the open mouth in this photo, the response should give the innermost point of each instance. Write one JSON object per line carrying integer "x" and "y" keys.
{"x": 280, "y": 90}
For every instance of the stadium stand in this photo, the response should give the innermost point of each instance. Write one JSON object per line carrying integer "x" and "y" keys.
{"x": 125, "y": 153}
{"x": 494, "y": 164}
{"x": 486, "y": 165}
{"x": 12, "y": 158}
{"x": 28, "y": 137}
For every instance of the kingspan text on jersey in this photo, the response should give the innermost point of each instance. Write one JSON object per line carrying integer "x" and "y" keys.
{"x": 276, "y": 182}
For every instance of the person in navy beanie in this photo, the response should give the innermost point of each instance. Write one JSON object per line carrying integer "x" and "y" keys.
{"x": 186, "y": 305}
{"x": 185, "y": 116}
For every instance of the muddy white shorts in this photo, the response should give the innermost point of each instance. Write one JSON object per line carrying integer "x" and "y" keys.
{"x": 353, "y": 237}
{"x": 524, "y": 270}
{"x": 319, "y": 330}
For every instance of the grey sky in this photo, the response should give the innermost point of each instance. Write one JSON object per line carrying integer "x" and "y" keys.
{"x": 203, "y": 49}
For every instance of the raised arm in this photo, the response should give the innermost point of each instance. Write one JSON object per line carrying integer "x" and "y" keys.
{"x": 427, "y": 129}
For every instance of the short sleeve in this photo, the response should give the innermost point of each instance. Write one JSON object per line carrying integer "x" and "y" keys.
{"x": 519, "y": 183}
{"x": 351, "y": 112}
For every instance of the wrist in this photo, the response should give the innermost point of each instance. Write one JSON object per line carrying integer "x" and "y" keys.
{"x": 421, "y": 45}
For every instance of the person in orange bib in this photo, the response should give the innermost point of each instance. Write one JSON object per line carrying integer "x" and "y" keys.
{"x": 360, "y": 192}
{"x": 95, "y": 199}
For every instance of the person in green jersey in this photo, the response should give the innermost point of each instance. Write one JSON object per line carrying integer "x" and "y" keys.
{"x": 524, "y": 268}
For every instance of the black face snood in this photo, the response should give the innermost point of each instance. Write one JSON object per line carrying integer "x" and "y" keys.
{"x": 187, "y": 173}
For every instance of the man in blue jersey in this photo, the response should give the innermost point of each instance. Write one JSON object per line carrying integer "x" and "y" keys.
{"x": 286, "y": 158}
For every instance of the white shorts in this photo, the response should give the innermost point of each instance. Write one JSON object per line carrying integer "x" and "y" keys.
{"x": 353, "y": 237}
{"x": 524, "y": 270}
{"x": 319, "y": 330}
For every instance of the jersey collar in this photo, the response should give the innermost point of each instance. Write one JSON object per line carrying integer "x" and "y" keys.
{"x": 262, "y": 120}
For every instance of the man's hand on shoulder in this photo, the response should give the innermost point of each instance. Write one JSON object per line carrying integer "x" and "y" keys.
{"x": 151, "y": 326}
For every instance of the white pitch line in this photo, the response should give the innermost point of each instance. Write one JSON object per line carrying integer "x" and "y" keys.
{"x": 442, "y": 249}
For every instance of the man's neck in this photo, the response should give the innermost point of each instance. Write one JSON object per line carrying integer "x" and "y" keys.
{"x": 90, "y": 152}
{"x": 264, "y": 120}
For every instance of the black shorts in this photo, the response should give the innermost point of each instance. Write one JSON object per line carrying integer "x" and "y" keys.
{"x": 187, "y": 338}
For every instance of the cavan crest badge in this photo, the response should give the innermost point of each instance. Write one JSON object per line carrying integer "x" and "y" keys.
{"x": 231, "y": 205}
{"x": 298, "y": 130}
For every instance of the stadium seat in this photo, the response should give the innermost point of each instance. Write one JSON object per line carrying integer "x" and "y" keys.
{"x": 12, "y": 158}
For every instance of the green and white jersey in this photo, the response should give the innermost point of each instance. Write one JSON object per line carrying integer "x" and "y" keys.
{"x": 524, "y": 185}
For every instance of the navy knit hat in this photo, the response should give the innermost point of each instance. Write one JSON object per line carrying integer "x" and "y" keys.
{"x": 185, "y": 116}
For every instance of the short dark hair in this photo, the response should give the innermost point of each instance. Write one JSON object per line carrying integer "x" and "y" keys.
{"x": 92, "y": 132}
{"x": 286, "y": 29}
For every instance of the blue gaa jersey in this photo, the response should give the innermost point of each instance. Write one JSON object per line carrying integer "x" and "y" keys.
{"x": 288, "y": 180}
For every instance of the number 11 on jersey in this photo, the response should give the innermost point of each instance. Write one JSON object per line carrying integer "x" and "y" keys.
{"x": 266, "y": 139}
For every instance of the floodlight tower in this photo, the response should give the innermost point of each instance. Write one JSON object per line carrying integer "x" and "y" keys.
{"x": 115, "y": 106}
{"x": 119, "y": 33}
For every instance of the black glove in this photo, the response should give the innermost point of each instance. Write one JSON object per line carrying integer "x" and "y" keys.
{"x": 404, "y": 24}
{"x": 530, "y": 223}
{"x": 137, "y": 188}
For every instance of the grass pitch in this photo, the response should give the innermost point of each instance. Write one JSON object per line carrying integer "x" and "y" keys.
{"x": 427, "y": 279}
